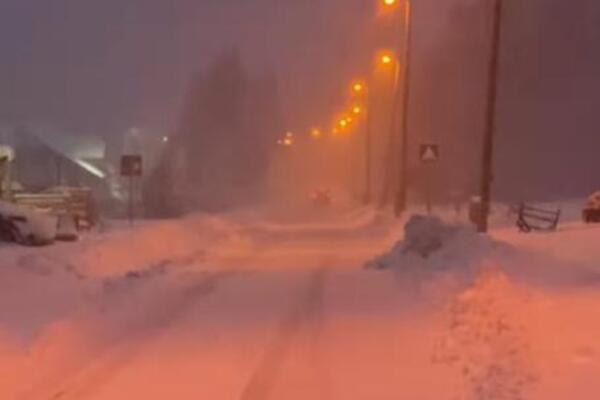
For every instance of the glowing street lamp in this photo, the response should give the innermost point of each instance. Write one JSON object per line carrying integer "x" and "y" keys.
{"x": 287, "y": 141}
{"x": 402, "y": 93}
{"x": 387, "y": 58}
{"x": 316, "y": 133}
{"x": 389, "y": 5}
{"x": 358, "y": 87}
{"x": 356, "y": 110}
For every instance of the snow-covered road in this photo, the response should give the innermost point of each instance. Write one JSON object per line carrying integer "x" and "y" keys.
{"x": 268, "y": 311}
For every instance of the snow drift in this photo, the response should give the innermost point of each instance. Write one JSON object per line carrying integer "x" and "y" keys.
{"x": 433, "y": 245}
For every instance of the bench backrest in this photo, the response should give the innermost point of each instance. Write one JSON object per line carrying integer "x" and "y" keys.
{"x": 535, "y": 218}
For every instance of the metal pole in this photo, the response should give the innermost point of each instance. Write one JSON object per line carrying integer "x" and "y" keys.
{"x": 389, "y": 162}
{"x": 131, "y": 191}
{"x": 429, "y": 188}
{"x": 368, "y": 150}
{"x": 490, "y": 125}
{"x": 401, "y": 196}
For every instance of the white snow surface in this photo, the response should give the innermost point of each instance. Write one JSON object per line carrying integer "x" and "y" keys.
{"x": 240, "y": 306}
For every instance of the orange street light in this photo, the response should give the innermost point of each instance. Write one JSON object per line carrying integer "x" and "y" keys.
{"x": 316, "y": 133}
{"x": 387, "y": 58}
{"x": 357, "y": 110}
{"x": 358, "y": 87}
{"x": 390, "y": 3}
{"x": 344, "y": 123}
{"x": 288, "y": 141}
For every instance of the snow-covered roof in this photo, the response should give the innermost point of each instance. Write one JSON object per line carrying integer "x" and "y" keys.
{"x": 83, "y": 150}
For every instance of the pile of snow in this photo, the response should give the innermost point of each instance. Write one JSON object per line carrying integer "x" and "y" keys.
{"x": 39, "y": 285}
{"x": 118, "y": 250}
{"x": 432, "y": 244}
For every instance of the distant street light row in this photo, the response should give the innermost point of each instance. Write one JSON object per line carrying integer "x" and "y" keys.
{"x": 358, "y": 108}
{"x": 287, "y": 140}
{"x": 360, "y": 102}
{"x": 398, "y": 179}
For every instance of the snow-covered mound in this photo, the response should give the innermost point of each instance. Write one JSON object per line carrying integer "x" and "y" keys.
{"x": 34, "y": 227}
{"x": 42, "y": 285}
{"x": 432, "y": 244}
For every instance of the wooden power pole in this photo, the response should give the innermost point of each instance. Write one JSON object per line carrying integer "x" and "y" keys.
{"x": 487, "y": 174}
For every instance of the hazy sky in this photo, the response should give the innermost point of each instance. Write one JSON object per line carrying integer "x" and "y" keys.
{"x": 102, "y": 64}
{"x": 105, "y": 64}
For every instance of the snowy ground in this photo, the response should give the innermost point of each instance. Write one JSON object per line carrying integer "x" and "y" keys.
{"x": 242, "y": 307}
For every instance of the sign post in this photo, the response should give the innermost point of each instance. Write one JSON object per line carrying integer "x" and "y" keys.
{"x": 429, "y": 154}
{"x": 131, "y": 168}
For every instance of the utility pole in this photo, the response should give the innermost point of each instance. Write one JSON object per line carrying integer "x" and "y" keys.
{"x": 368, "y": 150}
{"x": 400, "y": 202}
{"x": 388, "y": 186}
{"x": 487, "y": 174}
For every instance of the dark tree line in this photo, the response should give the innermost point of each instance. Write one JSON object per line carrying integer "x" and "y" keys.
{"x": 220, "y": 153}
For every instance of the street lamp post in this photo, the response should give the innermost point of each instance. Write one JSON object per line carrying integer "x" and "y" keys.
{"x": 490, "y": 126}
{"x": 362, "y": 89}
{"x": 401, "y": 92}
{"x": 401, "y": 196}
{"x": 368, "y": 152}
{"x": 388, "y": 184}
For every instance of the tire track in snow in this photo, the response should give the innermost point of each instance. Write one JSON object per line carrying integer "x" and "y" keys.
{"x": 261, "y": 382}
{"x": 100, "y": 370}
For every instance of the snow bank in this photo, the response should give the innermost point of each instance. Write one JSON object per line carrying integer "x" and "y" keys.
{"x": 39, "y": 286}
{"x": 570, "y": 256}
{"x": 486, "y": 341}
{"x": 429, "y": 244}
{"x": 119, "y": 250}
{"x": 61, "y": 306}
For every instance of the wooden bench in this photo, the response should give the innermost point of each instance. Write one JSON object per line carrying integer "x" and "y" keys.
{"x": 532, "y": 218}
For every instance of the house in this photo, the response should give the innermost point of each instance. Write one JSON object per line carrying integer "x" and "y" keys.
{"x": 46, "y": 157}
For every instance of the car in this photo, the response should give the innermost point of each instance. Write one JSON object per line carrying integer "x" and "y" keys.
{"x": 321, "y": 197}
{"x": 591, "y": 211}
{"x": 26, "y": 227}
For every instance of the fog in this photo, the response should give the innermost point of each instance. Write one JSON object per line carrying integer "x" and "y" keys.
{"x": 102, "y": 67}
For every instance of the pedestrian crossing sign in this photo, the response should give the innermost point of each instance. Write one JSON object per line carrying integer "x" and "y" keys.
{"x": 429, "y": 153}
